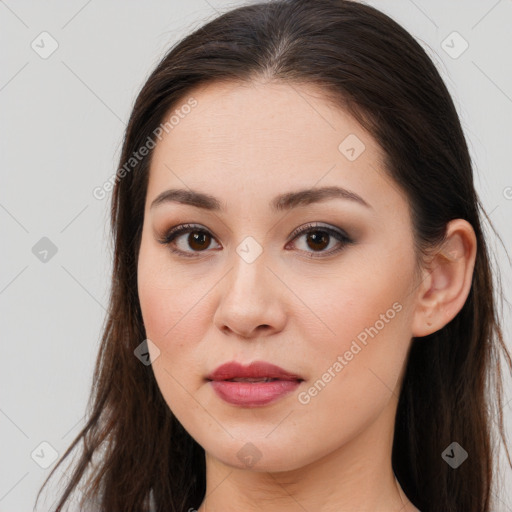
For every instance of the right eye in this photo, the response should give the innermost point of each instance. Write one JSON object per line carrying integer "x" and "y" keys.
{"x": 199, "y": 239}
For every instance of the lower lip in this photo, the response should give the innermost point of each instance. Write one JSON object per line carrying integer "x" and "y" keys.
{"x": 253, "y": 394}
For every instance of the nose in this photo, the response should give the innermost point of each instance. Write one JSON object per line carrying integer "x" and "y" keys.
{"x": 251, "y": 300}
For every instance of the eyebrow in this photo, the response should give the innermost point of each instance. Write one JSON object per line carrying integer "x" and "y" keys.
{"x": 280, "y": 203}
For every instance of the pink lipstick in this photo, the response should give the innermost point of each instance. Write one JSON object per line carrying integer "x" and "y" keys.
{"x": 255, "y": 385}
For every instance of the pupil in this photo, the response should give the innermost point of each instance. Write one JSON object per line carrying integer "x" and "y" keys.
{"x": 196, "y": 237}
{"x": 318, "y": 239}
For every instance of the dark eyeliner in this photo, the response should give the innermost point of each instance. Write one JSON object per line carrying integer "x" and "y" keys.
{"x": 339, "y": 235}
{"x": 174, "y": 232}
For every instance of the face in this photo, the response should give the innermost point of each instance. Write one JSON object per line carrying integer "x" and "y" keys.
{"x": 322, "y": 287}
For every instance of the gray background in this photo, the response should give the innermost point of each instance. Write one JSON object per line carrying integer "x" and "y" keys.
{"x": 62, "y": 120}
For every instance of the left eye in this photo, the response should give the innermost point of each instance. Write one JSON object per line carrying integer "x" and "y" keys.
{"x": 317, "y": 237}
{"x": 199, "y": 239}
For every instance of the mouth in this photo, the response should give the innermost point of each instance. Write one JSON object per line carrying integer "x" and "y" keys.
{"x": 255, "y": 385}
{"x": 258, "y": 371}
{"x": 241, "y": 379}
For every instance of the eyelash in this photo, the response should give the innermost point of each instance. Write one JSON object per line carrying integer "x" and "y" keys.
{"x": 175, "y": 232}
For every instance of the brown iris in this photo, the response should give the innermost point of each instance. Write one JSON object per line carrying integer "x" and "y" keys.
{"x": 318, "y": 239}
{"x": 199, "y": 238}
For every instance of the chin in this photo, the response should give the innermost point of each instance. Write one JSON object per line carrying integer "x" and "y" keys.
{"x": 260, "y": 455}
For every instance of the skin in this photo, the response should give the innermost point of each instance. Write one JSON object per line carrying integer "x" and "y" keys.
{"x": 245, "y": 144}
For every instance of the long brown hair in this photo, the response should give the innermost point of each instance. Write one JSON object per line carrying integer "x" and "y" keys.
{"x": 369, "y": 65}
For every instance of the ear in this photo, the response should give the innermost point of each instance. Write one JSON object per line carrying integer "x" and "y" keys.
{"x": 446, "y": 280}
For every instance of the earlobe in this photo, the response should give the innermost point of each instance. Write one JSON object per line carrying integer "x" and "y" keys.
{"x": 446, "y": 281}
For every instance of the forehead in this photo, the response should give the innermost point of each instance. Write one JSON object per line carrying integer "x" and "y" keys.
{"x": 248, "y": 138}
{"x": 233, "y": 119}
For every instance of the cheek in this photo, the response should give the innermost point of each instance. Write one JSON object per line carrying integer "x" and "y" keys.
{"x": 366, "y": 318}
{"x": 356, "y": 370}
{"x": 172, "y": 311}
{"x": 169, "y": 301}
{"x": 363, "y": 305}
{"x": 173, "y": 321}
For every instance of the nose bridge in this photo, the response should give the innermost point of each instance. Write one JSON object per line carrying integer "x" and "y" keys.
{"x": 249, "y": 267}
{"x": 248, "y": 299}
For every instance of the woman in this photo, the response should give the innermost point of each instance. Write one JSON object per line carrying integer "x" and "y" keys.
{"x": 302, "y": 312}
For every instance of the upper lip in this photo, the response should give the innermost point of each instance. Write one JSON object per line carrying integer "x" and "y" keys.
{"x": 255, "y": 370}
